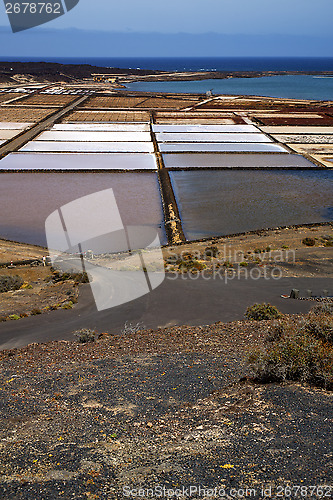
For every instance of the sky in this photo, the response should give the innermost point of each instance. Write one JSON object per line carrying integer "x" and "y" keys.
{"x": 251, "y": 27}
{"x": 201, "y": 16}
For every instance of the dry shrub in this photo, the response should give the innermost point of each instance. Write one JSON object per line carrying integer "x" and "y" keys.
{"x": 297, "y": 350}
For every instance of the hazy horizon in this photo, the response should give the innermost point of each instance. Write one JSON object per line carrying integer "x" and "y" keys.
{"x": 50, "y": 42}
{"x": 187, "y": 28}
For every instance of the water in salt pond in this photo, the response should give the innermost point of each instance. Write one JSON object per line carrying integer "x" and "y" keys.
{"x": 26, "y": 200}
{"x": 221, "y": 202}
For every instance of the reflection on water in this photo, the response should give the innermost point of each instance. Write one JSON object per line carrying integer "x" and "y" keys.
{"x": 199, "y": 160}
{"x": 26, "y": 200}
{"x": 218, "y": 203}
{"x": 200, "y": 147}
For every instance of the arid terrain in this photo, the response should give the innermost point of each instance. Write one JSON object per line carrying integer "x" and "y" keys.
{"x": 173, "y": 406}
{"x": 169, "y": 407}
{"x": 280, "y": 249}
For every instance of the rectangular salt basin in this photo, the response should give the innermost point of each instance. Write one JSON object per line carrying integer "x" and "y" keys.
{"x": 304, "y": 138}
{"x": 92, "y": 147}
{"x": 202, "y": 160}
{"x": 297, "y": 129}
{"x": 26, "y": 200}
{"x": 218, "y": 203}
{"x": 205, "y": 128}
{"x": 93, "y": 136}
{"x": 220, "y": 148}
{"x": 103, "y": 127}
{"x": 8, "y": 134}
{"x": 76, "y": 161}
{"x": 209, "y": 137}
{"x": 14, "y": 125}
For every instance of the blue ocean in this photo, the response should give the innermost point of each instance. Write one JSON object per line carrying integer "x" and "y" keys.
{"x": 201, "y": 63}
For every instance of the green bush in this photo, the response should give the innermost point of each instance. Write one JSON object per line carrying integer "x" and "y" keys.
{"x": 259, "y": 312}
{"x": 59, "y": 276}
{"x": 193, "y": 266}
{"x": 322, "y": 307}
{"x": 14, "y": 317}
{"x": 10, "y": 283}
{"x": 211, "y": 251}
{"x": 68, "y": 305}
{"x": 35, "y": 312}
{"x": 309, "y": 242}
{"x": 297, "y": 352}
{"x": 85, "y": 335}
{"x": 320, "y": 325}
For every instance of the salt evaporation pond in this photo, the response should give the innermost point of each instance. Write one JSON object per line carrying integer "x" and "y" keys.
{"x": 6, "y": 134}
{"x": 89, "y": 147}
{"x": 93, "y": 136}
{"x": 104, "y": 127}
{"x": 166, "y": 127}
{"x": 78, "y": 161}
{"x": 219, "y": 203}
{"x": 210, "y": 137}
{"x": 237, "y": 160}
{"x": 26, "y": 200}
{"x": 226, "y": 147}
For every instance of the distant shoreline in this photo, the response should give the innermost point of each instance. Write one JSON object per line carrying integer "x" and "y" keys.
{"x": 42, "y": 72}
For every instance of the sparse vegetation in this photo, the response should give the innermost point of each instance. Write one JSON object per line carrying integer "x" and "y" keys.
{"x": 259, "y": 312}
{"x": 211, "y": 251}
{"x": 323, "y": 307}
{"x": 58, "y": 276}
{"x": 10, "y": 283}
{"x": 68, "y": 305}
{"x": 327, "y": 241}
{"x": 130, "y": 328}
{"x": 193, "y": 266}
{"x": 35, "y": 312}
{"x": 299, "y": 350}
{"x": 85, "y": 335}
{"x": 309, "y": 242}
{"x": 26, "y": 286}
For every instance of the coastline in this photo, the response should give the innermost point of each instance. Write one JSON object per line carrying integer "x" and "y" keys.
{"x": 40, "y": 72}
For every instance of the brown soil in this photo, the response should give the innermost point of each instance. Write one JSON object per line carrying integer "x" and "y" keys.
{"x": 282, "y": 248}
{"x": 107, "y": 116}
{"x": 287, "y": 253}
{"x": 17, "y": 114}
{"x": 41, "y": 296}
{"x": 10, "y": 250}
